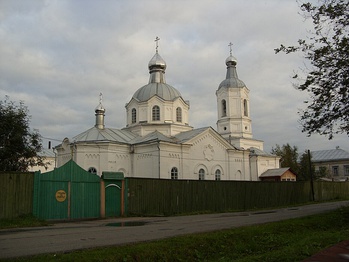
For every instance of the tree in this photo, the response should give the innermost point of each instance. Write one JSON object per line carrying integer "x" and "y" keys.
{"x": 18, "y": 146}
{"x": 327, "y": 81}
{"x": 289, "y": 156}
{"x": 304, "y": 168}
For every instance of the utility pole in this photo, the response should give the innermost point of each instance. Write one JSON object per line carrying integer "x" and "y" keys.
{"x": 311, "y": 176}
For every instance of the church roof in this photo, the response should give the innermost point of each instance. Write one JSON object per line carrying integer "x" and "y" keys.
{"x": 258, "y": 152}
{"x": 161, "y": 90}
{"x": 186, "y": 136}
{"x": 157, "y": 84}
{"x": 106, "y": 134}
{"x": 154, "y": 136}
{"x": 231, "y": 80}
{"x": 329, "y": 155}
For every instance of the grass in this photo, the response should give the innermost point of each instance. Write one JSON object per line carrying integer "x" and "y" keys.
{"x": 289, "y": 240}
{"x": 22, "y": 221}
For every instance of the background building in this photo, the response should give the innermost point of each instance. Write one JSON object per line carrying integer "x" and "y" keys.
{"x": 331, "y": 164}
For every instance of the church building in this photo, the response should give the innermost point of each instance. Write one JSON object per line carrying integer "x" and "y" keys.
{"x": 158, "y": 141}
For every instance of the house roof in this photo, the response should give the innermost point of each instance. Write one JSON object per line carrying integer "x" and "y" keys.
{"x": 275, "y": 172}
{"x": 45, "y": 152}
{"x": 329, "y": 155}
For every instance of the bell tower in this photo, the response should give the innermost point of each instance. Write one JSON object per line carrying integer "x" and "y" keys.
{"x": 233, "y": 104}
{"x": 233, "y": 107}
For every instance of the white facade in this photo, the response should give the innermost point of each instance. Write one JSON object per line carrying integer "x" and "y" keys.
{"x": 158, "y": 141}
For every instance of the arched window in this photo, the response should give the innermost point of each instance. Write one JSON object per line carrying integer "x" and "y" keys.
{"x": 224, "y": 108}
{"x": 92, "y": 170}
{"x": 217, "y": 174}
{"x": 174, "y": 173}
{"x": 179, "y": 114}
{"x": 245, "y": 108}
{"x": 134, "y": 115}
{"x": 156, "y": 113}
{"x": 201, "y": 174}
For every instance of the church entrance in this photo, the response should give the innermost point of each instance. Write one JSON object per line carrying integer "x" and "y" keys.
{"x": 114, "y": 188}
{"x": 112, "y": 200}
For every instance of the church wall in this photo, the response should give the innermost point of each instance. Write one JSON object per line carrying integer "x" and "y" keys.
{"x": 210, "y": 154}
{"x": 112, "y": 158}
{"x": 145, "y": 159}
{"x": 266, "y": 163}
{"x": 239, "y": 168}
{"x": 172, "y": 155}
{"x": 260, "y": 164}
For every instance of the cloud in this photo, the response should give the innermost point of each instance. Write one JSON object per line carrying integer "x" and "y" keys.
{"x": 58, "y": 56}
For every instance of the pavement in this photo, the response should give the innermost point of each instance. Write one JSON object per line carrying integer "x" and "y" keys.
{"x": 71, "y": 236}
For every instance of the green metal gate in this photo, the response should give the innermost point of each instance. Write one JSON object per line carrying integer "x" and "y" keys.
{"x": 68, "y": 192}
{"x": 114, "y": 193}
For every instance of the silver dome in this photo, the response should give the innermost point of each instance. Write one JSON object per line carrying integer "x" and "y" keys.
{"x": 231, "y": 59}
{"x": 231, "y": 80}
{"x": 162, "y": 90}
{"x": 157, "y": 84}
{"x": 157, "y": 62}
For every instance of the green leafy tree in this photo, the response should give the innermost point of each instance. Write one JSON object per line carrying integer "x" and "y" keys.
{"x": 327, "y": 80}
{"x": 304, "y": 168}
{"x": 289, "y": 156}
{"x": 19, "y": 146}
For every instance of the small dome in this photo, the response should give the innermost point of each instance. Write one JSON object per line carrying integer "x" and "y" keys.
{"x": 100, "y": 107}
{"x": 232, "y": 80}
{"x": 162, "y": 90}
{"x": 157, "y": 62}
{"x": 231, "y": 59}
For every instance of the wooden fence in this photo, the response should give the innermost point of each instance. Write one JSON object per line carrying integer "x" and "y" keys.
{"x": 16, "y": 194}
{"x": 147, "y": 197}
{"x": 170, "y": 197}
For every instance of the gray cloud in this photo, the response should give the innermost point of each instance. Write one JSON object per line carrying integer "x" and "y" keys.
{"x": 57, "y": 56}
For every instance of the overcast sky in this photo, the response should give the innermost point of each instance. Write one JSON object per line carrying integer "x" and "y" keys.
{"x": 58, "y": 56}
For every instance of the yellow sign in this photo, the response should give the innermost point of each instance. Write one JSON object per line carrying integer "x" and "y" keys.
{"x": 61, "y": 195}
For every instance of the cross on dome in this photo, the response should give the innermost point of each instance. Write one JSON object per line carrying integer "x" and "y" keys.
{"x": 230, "y": 46}
{"x": 157, "y": 43}
{"x": 100, "y": 98}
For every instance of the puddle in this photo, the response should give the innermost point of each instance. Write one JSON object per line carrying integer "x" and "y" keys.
{"x": 127, "y": 224}
{"x": 263, "y": 212}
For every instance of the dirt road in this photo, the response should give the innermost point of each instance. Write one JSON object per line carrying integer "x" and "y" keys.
{"x": 63, "y": 237}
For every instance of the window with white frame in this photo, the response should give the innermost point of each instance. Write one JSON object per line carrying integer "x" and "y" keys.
{"x": 245, "y": 108}
{"x": 179, "y": 114}
{"x": 156, "y": 113}
{"x": 217, "y": 174}
{"x": 174, "y": 173}
{"x": 335, "y": 170}
{"x": 92, "y": 170}
{"x": 346, "y": 170}
{"x": 224, "y": 108}
{"x": 201, "y": 174}
{"x": 134, "y": 115}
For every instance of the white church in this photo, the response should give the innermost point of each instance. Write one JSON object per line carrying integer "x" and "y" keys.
{"x": 158, "y": 141}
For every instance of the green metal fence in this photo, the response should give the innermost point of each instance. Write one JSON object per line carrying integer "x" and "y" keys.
{"x": 68, "y": 192}
{"x": 16, "y": 194}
